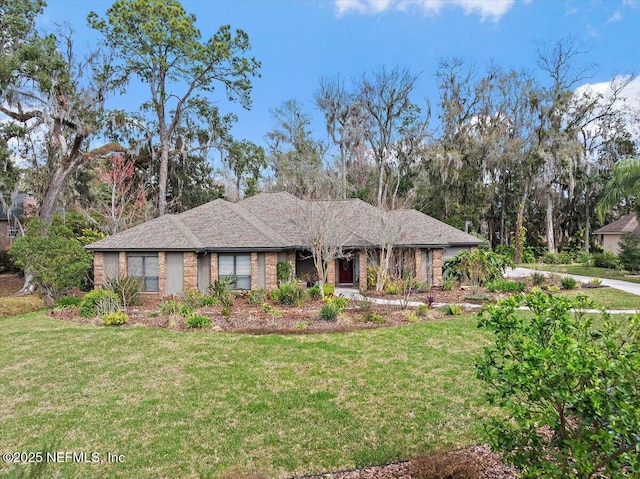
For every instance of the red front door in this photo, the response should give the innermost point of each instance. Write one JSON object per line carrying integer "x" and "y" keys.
{"x": 345, "y": 274}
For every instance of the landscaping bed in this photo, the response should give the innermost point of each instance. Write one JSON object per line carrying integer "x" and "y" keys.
{"x": 245, "y": 318}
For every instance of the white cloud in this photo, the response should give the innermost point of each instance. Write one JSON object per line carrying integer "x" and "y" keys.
{"x": 616, "y": 17}
{"x": 628, "y": 102}
{"x": 487, "y": 9}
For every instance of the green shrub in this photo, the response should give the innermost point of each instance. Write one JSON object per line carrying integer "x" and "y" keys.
{"x": 373, "y": 317}
{"x": 169, "y": 307}
{"x": 553, "y": 288}
{"x": 208, "y": 301}
{"x": 452, "y": 309}
{"x": 329, "y": 311}
{"x": 567, "y": 385}
{"x": 53, "y": 256}
{"x": 630, "y": 253}
{"x": 256, "y": 297}
{"x": 115, "y": 318}
{"x": 412, "y": 318}
{"x": 192, "y": 297}
{"x": 372, "y": 276}
{"x": 91, "y": 299}
{"x": 198, "y": 321}
{"x": 289, "y": 293}
{"x": 447, "y": 284}
{"x": 538, "y": 279}
{"x": 550, "y": 258}
{"x": 422, "y": 310}
{"x": 314, "y": 291}
{"x": 185, "y": 310}
{"x": 68, "y": 302}
{"x": 505, "y": 286}
{"x": 127, "y": 288}
{"x": 477, "y": 266}
{"x": 221, "y": 286}
{"x": 606, "y": 260}
{"x": 393, "y": 286}
{"x": 595, "y": 282}
{"x": 284, "y": 272}
{"x": 340, "y": 301}
{"x": 568, "y": 282}
{"x": 584, "y": 258}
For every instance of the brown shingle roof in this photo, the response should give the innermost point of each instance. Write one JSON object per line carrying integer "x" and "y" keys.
{"x": 273, "y": 221}
{"x": 626, "y": 224}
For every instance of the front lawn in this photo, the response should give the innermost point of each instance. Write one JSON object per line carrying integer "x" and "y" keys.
{"x": 590, "y": 271}
{"x": 196, "y": 404}
{"x": 609, "y": 298}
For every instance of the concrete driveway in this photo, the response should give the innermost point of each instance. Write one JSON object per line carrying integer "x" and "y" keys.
{"x": 633, "y": 288}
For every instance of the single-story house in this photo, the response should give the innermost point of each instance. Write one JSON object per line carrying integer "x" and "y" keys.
{"x": 610, "y": 234}
{"x": 249, "y": 238}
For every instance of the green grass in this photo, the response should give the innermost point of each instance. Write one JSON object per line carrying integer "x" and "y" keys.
{"x": 609, "y": 298}
{"x": 590, "y": 271}
{"x": 196, "y": 404}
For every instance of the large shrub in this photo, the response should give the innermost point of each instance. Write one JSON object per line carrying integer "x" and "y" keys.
{"x": 477, "y": 266}
{"x": 91, "y": 300}
{"x": 607, "y": 260}
{"x": 567, "y": 385}
{"x": 289, "y": 293}
{"x": 53, "y": 257}
{"x": 630, "y": 252}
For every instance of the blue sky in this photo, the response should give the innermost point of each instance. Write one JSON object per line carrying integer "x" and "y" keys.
{"x": 298, "y": 42}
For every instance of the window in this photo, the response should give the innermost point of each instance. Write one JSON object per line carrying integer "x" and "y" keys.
{"x": 13, "y": 231}
{"x": 238, "y": 266}
{"x": 144, "y": 266}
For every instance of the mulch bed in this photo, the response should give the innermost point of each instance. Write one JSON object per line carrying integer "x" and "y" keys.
{"x": 10, "y": 284}
{"x": 475, "y": 462}
{"x": 245, "y": 318}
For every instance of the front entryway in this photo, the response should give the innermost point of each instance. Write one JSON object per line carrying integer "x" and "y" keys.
{"x": 345, "y": 271}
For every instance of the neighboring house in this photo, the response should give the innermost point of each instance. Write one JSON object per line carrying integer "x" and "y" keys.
{"x": 12, "y": 217}
{"x": 610, "y": 234}
{"x": 247, "y": 239}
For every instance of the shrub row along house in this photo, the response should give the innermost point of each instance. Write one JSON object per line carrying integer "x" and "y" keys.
{"x": 248, "y": 239}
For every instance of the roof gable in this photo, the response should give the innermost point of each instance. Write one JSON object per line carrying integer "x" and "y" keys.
{"x": 626, "y": 224}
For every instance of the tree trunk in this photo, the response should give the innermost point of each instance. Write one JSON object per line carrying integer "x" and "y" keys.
{"x": 519, "y": 237}
{"x": 551, "y": 243}
{"x": 163, "y": 174}
{"x": 587, "y": 221}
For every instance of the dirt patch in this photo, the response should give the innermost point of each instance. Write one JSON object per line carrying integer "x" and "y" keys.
{"x": 10, "y": 284}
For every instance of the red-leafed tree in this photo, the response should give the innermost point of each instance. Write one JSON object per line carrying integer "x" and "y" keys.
{"x": 120, "y": 201}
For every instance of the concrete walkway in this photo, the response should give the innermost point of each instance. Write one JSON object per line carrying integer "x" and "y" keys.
{"x": 514, "y": 273}
{"x": 629, "y": 287}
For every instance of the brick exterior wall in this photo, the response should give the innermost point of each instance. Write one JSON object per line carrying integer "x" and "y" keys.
{"x": 190, "y": 274}
{"x": 98, "y": 270}
{"x": 418, "y": 264}
{"x": 5, "y": 241}
{"x": 271, "y": 271}
{"x": 214, "y": 267}
{"x": 363, "y": 270}
{"x": 254, "y": 270}
{"x": 437, "y": 267}
{"x": 331, "y": 272}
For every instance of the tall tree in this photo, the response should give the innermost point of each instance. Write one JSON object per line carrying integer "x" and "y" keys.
{"x": 395, "y": 127}
{"x": 246, "y": 160}
{"x": 294, "y": 155}
{"x": 558, "y": 142}
{"x": 54, "y": 99}
{"x": 158, "y": 42}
